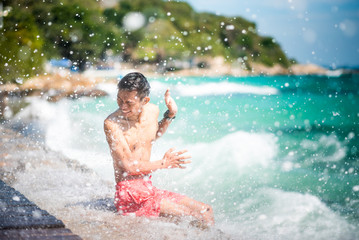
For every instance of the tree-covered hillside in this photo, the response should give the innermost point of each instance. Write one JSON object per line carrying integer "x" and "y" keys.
{"x": 84, "y": 31}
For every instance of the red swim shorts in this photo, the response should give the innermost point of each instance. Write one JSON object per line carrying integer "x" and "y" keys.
{"x": 139, "y": 197}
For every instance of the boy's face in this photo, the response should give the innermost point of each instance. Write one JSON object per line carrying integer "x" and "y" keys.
{"x": 130, "y": 104}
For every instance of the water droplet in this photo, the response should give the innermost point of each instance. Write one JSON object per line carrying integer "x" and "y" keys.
{"x": 16, "y": 198}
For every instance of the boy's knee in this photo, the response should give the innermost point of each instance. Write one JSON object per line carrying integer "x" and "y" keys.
{"x": 206, "y": 208}
{"x": 209, "y": 208}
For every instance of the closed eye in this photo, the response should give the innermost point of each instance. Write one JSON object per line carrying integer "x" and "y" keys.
{"x": 127, "y": 102}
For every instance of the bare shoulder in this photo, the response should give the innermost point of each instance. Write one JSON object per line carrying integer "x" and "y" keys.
{"x": 152, "y": 107}
{"x": 151, "y": 111}
{"x": 112, "y": 121}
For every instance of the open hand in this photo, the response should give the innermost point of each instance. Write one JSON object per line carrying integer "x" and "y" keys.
{"x": 171, "y": 104}
{"x": 173, "y": 159}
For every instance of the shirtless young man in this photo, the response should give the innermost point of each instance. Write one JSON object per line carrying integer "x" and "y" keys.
{"x": 130, "y": 132}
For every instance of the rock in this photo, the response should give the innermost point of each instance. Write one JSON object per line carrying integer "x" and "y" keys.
{"x": 88, "y": 93}
{"x": 307, "y": 69}
{"x": 56, "y": 95}
{"x": 52, "y": 87}
{"x": 56, "y": 86}
{"x": 260, "y": 69}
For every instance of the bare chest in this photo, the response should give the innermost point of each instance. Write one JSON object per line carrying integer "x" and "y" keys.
{"x": 141, "y": 136}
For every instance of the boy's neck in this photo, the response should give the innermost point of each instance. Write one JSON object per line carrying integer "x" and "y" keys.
{"x": 134, "y": 119}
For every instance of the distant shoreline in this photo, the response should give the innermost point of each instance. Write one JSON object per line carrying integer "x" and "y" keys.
{"x": 217, "y": 66}
{"x": 61, "y": 83}
{"x": 66, "y": 81}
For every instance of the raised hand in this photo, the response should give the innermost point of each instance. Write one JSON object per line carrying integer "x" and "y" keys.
{"x": 171, "y": 104}
{"x": 173, "y": 159}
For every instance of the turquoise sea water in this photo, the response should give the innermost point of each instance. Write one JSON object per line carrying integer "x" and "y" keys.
{"x": 277, "y": 157}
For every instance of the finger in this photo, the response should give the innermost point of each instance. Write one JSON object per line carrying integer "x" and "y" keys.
{"x": 182, "y": 152}
{"x": 167, "y": 100}
{"x": 186, "y": 162}
{"x": 181, "y": 158}
{"x": 170, "y": 150}
{"x": 167, "y": 93}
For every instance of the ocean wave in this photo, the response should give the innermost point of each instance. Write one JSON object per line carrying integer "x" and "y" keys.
{"x": 110, "y": 88}
{"x": 239, "y": 149}
{"x": 223, "y": 88}
{"x": 65, "y": 131}
{"x": 204, "y": 89}
{"x": 227, "y": 161}
{"x": 37, "y": 109}
{"x": 276, "y": 214}
{"x": 208, "y": 89}
{"x": 325, "y": 149}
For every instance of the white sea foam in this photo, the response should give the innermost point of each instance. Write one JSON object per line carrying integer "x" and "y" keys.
{"x": 109, "y": 88}
{"x": 204, "y": 89}
{"x": 100, "y": 162}
{"x": 326, "y": 149}
{"x": 239, "y": 149}
{"x": 80, "y": 137}
{"x": 222, "y": 88}
{"x": 334, "y": 73}
{"x": 158, "y": 87}
{"x": 236, "y": 156}
{"x": 276, "y": 214}
{"x": 207, "y": 89}
{"x": 73, "y": 135}
{"x": 38, "y": 109}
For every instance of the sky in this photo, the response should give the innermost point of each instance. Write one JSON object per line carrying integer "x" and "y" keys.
{"x": 323, "y": 32}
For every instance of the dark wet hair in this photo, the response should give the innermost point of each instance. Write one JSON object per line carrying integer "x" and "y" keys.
{"x": 135, "y": 81}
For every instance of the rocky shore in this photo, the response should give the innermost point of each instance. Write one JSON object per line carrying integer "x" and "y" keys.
{"x": 52, "y": 87}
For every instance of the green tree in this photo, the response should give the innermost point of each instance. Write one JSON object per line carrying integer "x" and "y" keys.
{"x": 162, "y": 40}
{"x": 20, "y": 46}
{"x": 75, "y": 30}
{"x": 82, "y": 31}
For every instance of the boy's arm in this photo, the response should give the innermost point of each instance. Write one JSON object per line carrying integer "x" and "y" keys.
{"x": 167, "y": 118}
{"x": 162, "y": 126}
{"x": 122, "y": 154}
